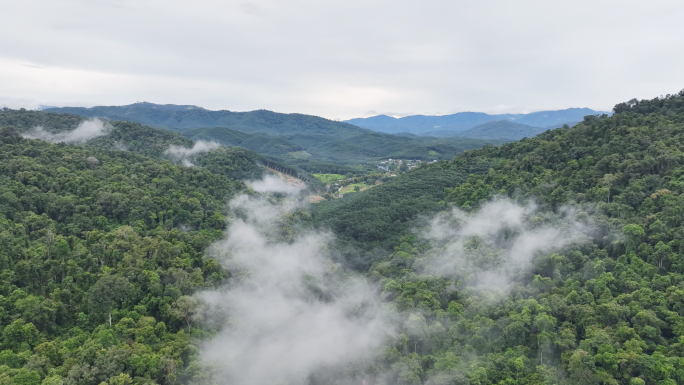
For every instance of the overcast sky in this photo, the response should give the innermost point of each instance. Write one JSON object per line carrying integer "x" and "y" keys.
{"x": 341, "y": 59}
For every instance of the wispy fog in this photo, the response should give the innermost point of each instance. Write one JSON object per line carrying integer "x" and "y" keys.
{"x": 290, "y": 314}
{"x": 275, "y": 184}
{"x": 291, "y": 310}
{"x": 85, "y": 131}
{"x": 183, "y": 154}
{"x": 489, "y": 247}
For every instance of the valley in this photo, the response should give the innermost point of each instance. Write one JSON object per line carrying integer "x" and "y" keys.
{"x": 136, "y": 250}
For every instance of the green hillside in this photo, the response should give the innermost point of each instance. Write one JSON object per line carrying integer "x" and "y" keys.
{"x": 608, "y": 311}
{"x": 379, "y": 217}
{"x": 89, "y": 235}
{"x": 23, "y": 120}
{"x": 233, "y": 162}
{"x": 502, "y": 129}
{"x": 261, "y": 143}
{"x": 498, "y": 129}
{"x": 311, "y": 152}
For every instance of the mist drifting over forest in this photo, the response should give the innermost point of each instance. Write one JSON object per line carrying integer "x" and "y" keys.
{"x": 291, "y": 311}
{"x": 292, "y": 314}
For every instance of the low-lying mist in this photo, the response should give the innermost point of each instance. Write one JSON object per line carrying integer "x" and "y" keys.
{"x": 291, "y": 310}
{"x": 184, "y": 154}
{"x": 491, "y": 247}
{"x": 85, "y": 131}
{"x": 274, "y": 184}
{"x": 290, "y": 314}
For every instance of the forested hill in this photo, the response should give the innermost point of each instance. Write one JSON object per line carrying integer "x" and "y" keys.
{"x": 503, "y": 129}
{"x": 91, "y": 236}
{"x": 233, "y": 162}
{"x": 604, "y": 312}
{"x": 123, "y": 135}
{"x": 183, "y": 118}
{"x": 498, "y": 129}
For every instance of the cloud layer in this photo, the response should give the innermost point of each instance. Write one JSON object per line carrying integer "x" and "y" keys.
{"x": 84, "y": 132}
{"x": 341, "y": 59}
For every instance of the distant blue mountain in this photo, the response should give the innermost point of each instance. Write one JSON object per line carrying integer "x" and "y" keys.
{"x": 422, "y": 124}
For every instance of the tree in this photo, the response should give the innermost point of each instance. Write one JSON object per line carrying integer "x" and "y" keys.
{"x": 580, "y": 367}
{"x": 187, "y": 308}
{"x": 107, "y": 292}
{"x": 416, "y": 328}
{"x": 519, "y": 365}
{"x": 92, "y": 162}
{"x": 634, "y": 234}
{"x": 608, "y": 180}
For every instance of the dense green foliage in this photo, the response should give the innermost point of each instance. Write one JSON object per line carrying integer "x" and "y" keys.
{"x": 261, "y": 143}
{"x": 502, "y": 129}
{"x": 607, "y": 312}
{"x": 378, "y": 217}
{"x": 138, "y": 138}
{"x": 376, "y": 146}
{"x": 233, "y": 162}
{"x": 86, "y": 234}
{"x": 23, "y": 120}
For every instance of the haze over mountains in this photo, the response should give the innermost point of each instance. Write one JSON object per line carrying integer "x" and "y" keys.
{"x": 454, "y": 123}
{"x": 186, "y": 117}
{"x": 476, "y": 125}
{"x": 308, "y": 142}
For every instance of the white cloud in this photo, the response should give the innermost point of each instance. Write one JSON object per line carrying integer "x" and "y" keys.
{"x": 491, "y": 247}
{"x": 275, "y": 184}
{"x": 85, "y": 131}
{"x": 184, "y": 154}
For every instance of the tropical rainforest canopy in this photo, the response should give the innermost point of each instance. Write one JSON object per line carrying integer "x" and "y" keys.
{"x": 102, "y": 251}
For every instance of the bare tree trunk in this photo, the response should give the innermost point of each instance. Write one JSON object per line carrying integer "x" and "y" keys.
{"x": 110, "y": 318}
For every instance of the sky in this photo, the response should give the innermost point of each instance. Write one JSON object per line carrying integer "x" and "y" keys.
{"x": 341, "y": 59}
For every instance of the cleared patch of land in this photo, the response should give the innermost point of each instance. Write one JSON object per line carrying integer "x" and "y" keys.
{"x": 289, "y": 178}
{"x": 329, "y": 178}
{"x": 352, "y": 188}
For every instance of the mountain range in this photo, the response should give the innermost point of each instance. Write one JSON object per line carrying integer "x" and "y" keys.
{"x": 424, "y": 124}
{"x": 186, "y": 117}
{"x": 308, "y": 142}
{"x": 498, "y": 129}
